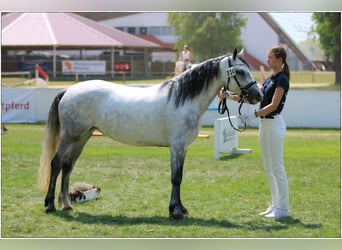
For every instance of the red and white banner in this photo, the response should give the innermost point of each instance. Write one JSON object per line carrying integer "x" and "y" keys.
{"x": 18, "y": 105}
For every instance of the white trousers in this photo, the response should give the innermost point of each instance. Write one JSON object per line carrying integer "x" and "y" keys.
{"x": 271, "y": 135}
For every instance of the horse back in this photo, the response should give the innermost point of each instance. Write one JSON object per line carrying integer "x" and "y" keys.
{"x": 131, "y": 115}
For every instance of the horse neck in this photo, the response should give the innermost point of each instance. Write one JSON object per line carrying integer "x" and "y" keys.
{"x": 206, "y": 97}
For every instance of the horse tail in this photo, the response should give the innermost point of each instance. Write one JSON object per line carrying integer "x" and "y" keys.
{"x": 50, "y": 143}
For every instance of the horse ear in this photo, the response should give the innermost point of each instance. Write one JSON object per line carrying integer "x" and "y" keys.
{"x": 234, "y": 54}
{"x": 242, "y": 52}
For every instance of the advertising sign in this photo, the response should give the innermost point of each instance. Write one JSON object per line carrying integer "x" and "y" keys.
{"x": 122, "y": 66}
{"x": 84, "y": 67}
{"x": 18, "y": 105}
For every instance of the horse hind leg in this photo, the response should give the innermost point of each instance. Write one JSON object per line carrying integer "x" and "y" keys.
{"x": 64, "y": 163}
{"x": 63, "y": 198}
{"x": 74, "y": 152}
{"x": 50, "y": 196}
{"x": 56, "y": 166}
{"x": 64, "y": 160}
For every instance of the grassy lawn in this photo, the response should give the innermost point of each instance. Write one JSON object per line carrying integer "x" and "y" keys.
{"x": 223, "y": 197}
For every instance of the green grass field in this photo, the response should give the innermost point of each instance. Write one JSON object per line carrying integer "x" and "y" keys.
{"x": 223, "y": 197}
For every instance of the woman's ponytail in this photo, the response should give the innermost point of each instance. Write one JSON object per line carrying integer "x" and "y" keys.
{"x": 286, "y": 69}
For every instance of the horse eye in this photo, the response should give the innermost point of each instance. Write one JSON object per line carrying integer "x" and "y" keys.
{"x": 241, "y": 72}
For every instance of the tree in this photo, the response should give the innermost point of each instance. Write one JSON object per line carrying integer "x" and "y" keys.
{"x": 328, "y": 28}
{"x": 207, "y": 34}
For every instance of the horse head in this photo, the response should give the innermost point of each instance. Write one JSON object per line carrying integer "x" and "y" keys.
{"x": 237, "y": 77}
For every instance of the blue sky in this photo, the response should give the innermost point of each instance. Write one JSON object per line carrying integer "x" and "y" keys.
{"x": 296, "y": 25}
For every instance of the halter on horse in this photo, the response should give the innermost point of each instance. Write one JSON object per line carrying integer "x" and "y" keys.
{"x": 222, "y": 106}
{"x": 167, "y": 114}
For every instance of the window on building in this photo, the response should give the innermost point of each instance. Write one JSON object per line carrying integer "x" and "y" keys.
{"x": 155, "y": 31}
{"x": 161, "y": 31}
{"x": 166, "y": 31}
{"x": 143, "y": 30}
{"x": 131, "y": 30}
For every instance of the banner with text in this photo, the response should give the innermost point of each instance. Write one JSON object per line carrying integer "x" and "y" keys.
{"x": 84, "y": 67}
{"x": 18, "y": 105}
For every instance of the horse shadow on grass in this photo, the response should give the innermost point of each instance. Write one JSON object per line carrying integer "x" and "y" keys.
{"x": 121, "y": 220}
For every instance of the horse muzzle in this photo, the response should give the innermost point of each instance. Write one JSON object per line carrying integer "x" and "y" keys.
{"x": 254, "y": 95}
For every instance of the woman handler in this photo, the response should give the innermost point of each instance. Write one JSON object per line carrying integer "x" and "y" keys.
{"x": 272, "y": 130}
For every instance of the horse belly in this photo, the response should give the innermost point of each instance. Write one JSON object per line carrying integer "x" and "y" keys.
{"x": 141, "y": 126}
{"x": 146, "y": 138}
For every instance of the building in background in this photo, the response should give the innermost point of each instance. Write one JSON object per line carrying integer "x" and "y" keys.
{"x": 152, "y": 26}
{"x": 263, "y": 30}
{"x": 42, "y": 38}
{"x": 141, "y": 43}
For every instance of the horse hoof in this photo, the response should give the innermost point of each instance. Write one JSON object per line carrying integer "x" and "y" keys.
{"x": 50, "y": 210}
{"x": 177, "y": 214}
{"x": 184, "y": 210}
{"x": 67, "y": 209}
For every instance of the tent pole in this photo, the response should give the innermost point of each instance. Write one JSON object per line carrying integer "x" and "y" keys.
{"x": 112, "y": 61}
{"x": 54, "y": 64}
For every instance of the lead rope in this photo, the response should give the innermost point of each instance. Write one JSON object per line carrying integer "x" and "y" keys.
{"x": 223, "y": 108}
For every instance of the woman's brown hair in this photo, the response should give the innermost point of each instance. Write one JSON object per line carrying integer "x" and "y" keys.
{"x": 280, "y": 52}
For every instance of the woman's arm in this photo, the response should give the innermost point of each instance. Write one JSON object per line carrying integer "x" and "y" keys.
{"x": 277, "y": 96}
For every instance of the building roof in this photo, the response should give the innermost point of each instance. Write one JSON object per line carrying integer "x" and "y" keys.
{"x": 253, "y": 62}
{"x": 151, "y": 38}
{"x": 100, "y": 16}
{"x": 284, "y": 36}
{"x": 65, "y": 30}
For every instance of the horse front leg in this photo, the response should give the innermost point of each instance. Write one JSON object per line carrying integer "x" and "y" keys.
{"x": 176, "y": 209}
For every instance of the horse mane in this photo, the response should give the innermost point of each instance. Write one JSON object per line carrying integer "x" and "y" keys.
{"x": 192, "y": 82}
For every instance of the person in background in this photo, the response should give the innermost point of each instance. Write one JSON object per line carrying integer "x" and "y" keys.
{"x": 185, "y": 56}
{"x": 272, "y": 131}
